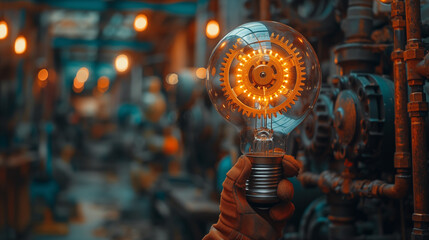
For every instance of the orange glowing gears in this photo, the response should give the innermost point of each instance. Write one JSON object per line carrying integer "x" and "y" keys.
{"x": 263, "y": 82}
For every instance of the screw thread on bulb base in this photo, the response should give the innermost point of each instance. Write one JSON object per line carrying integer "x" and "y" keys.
{"x": 266, "y": 173}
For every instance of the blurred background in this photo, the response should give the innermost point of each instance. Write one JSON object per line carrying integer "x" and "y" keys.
{"x": 107, "y": 132}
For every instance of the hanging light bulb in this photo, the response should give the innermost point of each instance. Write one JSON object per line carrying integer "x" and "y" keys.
{"x": 103, "y": 84}
{"x": 4, "y": 30}
{"x": 140, "y": 22}
{"x": 43, "y": 74}
{"x": 264, "y": 78}
{"x": 82, "y": 74}
{"x": 20, "y": 44}
{"x": 121, "y": 63}
{"x": 212, "y": 29}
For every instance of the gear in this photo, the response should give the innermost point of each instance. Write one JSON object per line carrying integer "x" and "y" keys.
{"x": 267, "y": 81}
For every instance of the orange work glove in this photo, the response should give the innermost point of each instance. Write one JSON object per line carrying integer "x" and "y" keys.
{"x": 238, "y": 220}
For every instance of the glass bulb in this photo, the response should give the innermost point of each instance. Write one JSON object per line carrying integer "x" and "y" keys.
{"x": 264, "y": 78}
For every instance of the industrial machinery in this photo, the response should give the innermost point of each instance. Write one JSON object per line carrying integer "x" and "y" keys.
{"x": 364, "y": 144}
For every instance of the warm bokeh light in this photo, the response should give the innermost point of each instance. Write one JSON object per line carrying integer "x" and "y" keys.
{"x": 20, "y": 45}
{"x": 212, "y": 29}
{"x": 82, "y": 74}
{"x": 43, "y": 74}
{"x": 103, "y": 84}
{"x": 121, "y": 63}
{"x": 201, "y": 73}
{"x": 3, "y": 29}
{"x": 78, "y": 86}
{"x": 140, "y": 22}
{"x": 172, "y": 79}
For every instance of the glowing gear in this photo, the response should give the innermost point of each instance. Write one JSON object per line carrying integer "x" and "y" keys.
{"x": 266, "y": 81}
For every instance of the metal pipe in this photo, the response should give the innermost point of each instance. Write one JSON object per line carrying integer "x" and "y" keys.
{"x": 332, "y": 182}
{"x": 402, "y": 160}
{"x": 422, "y": 67}
{"x": 264, "y": 10}
{"x": 417, "y": 109}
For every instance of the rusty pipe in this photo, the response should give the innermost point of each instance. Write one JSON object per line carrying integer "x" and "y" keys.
{"x": 402, "y": 161}
{"x": 422, "y": 67}
{"x": 332, "y": 182}
{"x": 264, "y": 10}
{"x": 417, "y": 109}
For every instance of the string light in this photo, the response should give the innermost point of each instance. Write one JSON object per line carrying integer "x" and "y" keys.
{"x": 140, "y": 22}
{"x": 172, "y": 79}
{"x": 103, "y": 84}
{"x": 20, "y": 45}
{"x": 121, "y": 63}
{"x": 3, "y": 29}
{"x": 82, "y": 74}
{"x": 201, "y": 73}
{"x": 43, "y": 74}
{"x": 212, "y": 29}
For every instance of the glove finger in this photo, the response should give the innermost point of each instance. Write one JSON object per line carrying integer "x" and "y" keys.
{"x": 282, "y": 211}
{"x": 240, "y": 172}
{"x": 285, "y": 190}
{"x": 290, "y": 166}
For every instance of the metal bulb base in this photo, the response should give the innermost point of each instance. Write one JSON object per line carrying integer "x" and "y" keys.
{"x": 266, "y": 173}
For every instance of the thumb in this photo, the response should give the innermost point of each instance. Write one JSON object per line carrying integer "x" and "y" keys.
{"x": 240, "y": 172}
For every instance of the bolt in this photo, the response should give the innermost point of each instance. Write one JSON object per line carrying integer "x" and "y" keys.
{"x": 339, "y": 118}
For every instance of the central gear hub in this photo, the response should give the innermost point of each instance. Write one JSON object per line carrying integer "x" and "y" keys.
{"x": 268, "y": 80}
{"x": 263, "y": 75}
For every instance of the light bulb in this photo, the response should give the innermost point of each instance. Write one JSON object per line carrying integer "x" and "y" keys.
{"x": 263, "y": 77}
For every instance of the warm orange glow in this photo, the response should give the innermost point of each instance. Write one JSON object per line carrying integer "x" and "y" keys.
{"x": 241, "y": 87}
{"x": 201, "y": 73}
{"x": 140, "y": 22}
{"x": 43, "y": 74}
{"x": 103, "y": 84}
{"x": 20, "y": 45}
{"x": 78, "y": 86}
{"x": 3, "y": 30}
{"x": 212, "y": 29}
{"x": 172, "y": 79}
{"x": 171, "y": 145}
{"x": 121, "y": 63}
{"x": 82, "y": 75}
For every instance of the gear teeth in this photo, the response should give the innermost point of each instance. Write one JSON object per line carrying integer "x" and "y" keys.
{"x": 280, "y": 106}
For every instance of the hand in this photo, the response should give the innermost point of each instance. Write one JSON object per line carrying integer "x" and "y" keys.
{"x": 238, "y": 220}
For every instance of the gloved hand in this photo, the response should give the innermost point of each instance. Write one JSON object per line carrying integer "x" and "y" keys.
{"x": 238, "y": 220}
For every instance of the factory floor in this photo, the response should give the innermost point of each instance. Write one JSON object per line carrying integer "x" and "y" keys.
{"x": 107, "y": 208}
